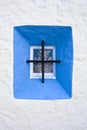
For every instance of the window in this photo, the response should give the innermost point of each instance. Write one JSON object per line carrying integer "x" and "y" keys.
{"x": 27, "y": 78}
{"x": 49, "y": 68}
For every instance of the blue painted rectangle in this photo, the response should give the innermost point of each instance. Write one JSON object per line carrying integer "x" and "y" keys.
{"x": 58, "y": 36}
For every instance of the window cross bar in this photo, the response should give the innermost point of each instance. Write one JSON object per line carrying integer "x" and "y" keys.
{"x": 43, "y": 61}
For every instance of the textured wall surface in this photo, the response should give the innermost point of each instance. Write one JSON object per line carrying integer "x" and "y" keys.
{"x": 43, "y": 115}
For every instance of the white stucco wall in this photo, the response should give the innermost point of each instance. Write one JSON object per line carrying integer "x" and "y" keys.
{"x": 43, "y": 115}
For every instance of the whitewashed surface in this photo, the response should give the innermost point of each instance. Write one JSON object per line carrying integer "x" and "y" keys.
{"x": 43, "y": 115}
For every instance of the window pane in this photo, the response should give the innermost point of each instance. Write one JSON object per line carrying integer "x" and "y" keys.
{"x": 48, "y": 55}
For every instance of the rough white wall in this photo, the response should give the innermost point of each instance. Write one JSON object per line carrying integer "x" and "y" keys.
{"x": 43, "y": 115}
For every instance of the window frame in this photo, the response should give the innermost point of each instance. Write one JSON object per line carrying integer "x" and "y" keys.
{"x": 39, "y": 75}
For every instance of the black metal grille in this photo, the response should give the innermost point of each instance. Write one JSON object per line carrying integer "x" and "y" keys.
{"x": 43, "y": 61}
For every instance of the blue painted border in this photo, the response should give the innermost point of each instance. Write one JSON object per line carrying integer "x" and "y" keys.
{"x": 58, "y": 36}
